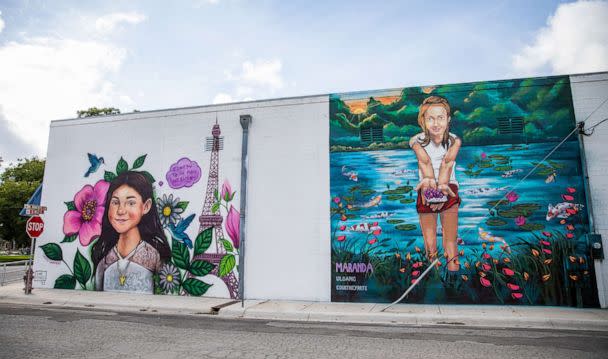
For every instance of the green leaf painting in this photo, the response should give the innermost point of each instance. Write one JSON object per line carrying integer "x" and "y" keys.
{"x": 180, "y": 254}
{"x": 201, "y": 268}
{"x": 227, "y": 264}
{"x": 195, "y": 287}
{"x": 82, "y": 268}
{"x": 69, "y": 239}
{"x": 203, "y": 241}
{"x": 108, "y": 176}
{"x": 227, "y": 245}
{"x": 71, "y": 205}
{"x": 121, "y": 166}
{"x": 52, "y": 251}
{"x": 215, "y": 207}
{"x": 66, "y": 281}
{"x": 139, "y": 161}
{"x": 183, "y": 204}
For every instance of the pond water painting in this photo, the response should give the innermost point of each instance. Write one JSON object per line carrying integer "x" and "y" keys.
{"x": 521, "y": 222}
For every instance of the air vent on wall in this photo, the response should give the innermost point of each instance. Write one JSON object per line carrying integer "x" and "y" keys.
{"x": 371, "y": 134}
{"x": 511, "y": 126}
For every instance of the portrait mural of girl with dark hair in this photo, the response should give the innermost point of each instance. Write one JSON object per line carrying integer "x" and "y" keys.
{"x": 132, "y": 245}
{"x": 443, "y": 190}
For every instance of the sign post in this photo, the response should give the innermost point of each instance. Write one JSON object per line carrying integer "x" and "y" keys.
{"x": 34, "y": 228}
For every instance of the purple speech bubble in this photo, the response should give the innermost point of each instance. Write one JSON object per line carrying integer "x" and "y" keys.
{"x": 183, "y": 173}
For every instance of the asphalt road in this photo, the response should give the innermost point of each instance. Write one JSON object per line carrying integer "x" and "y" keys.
{"x": 77, "y": 333}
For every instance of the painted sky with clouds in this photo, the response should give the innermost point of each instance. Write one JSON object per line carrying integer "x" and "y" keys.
{"x": 57, "y": 57}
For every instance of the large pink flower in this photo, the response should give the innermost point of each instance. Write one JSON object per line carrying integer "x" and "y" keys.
{"x": 512, "y": 196}
{"x": 233, "y": 226}
{"x": 86, "y": 219}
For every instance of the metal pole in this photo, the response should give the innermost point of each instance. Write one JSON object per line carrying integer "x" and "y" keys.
{"x": 28, "y": 274}
{"x": 245, "y": 122}
{"x": 581, "y": 133}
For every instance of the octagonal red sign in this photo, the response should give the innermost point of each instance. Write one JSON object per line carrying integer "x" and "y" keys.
{"x": 34, "y": 227}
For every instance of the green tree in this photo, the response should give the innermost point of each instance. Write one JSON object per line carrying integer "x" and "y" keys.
{"x": 94, "y": 111}
{"x": 17, "y": 184}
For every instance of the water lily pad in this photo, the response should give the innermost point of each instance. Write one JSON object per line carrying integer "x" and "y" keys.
{"x": 495, "y": 222}
{"x": 399, "y": 190}
{"x": 498, "y": 157}
{"x": 407, "y": 200}
{"x": 523, "y": 209}
{"x": 406, "y": 227}
{"x": 367, "y": 192}
{"x": 395, "y": 197}
{"x": 503, "y": 168}
{"x": 487, "y": 164}
{"x": 532, "y": 227}
{"x": 395, "y": 221}
{"x": 501, "y": 202}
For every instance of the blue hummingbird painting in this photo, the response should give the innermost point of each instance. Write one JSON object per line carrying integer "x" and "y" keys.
{"x": 178, "y": 232}
{"x": 95, "y": 162}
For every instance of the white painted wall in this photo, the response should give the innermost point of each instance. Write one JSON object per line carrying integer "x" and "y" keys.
{"x": 590, "y": 95}
{"x": 287, "y": 252}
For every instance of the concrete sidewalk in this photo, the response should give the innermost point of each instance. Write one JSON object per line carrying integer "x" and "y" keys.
{"x": 364, "y": 313}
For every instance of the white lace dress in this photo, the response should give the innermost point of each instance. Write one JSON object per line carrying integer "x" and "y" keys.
{"x": 134, "y": 273}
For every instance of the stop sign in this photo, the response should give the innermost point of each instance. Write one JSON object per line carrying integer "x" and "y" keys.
{"x": 34, "y": 226}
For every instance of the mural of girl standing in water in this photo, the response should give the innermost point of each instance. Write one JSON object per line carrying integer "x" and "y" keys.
{"x": 436, "y": 150}
{"x": 132, "y": 245}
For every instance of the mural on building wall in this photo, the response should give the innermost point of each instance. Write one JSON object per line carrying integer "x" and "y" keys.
{"x": 130, "y": 236}
{"x": 454, "y": 173}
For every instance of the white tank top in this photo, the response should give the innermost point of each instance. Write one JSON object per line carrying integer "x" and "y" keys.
{"x": 436, "y": 153}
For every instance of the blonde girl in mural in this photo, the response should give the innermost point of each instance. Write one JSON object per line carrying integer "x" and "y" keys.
{"x": 132, "y": 245}
{"x": 436, "y": 150}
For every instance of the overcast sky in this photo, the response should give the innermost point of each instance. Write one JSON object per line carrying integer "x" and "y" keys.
{"x": 57, "y": 57}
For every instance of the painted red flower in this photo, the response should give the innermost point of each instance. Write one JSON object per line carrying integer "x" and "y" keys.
{"x": 372, "y": 241}
{"x": 508, "y": 272}
{"x": 570, "y": 189}
{"x": 512, "y": 196}
{"x": 512, "y": 286}
{"x": 416, "y": 273}
{"x": 567, "y": 197}
{"x": 86, "y": 218}
{"x": 341, "y": 238}
{"x": 548, "y": 251}
{"x": 486, "y": 256}
{"x": 517, "y": 295}
{"x": 547, "y": 234}
{"x": 520, "y": 220}
{"x": 569, "y": 235}
{"x": 486, "y": 267}
{"x": 485, "y": 282}
{"x": 336, "y": 200}
{"x": 545, "y": 243}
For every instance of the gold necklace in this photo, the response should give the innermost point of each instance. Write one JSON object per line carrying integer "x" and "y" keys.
{"x": 122, "y": 275}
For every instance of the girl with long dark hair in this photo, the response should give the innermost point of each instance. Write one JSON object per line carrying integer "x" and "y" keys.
{"x": 132, "y": 245}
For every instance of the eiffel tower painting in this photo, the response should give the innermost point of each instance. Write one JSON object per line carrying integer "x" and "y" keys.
{"x": 208, "y": 219}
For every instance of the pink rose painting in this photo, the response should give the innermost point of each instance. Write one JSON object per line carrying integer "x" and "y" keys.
{"x": 85, "y": 216}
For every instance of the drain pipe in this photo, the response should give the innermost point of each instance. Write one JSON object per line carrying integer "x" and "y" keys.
{"x": 245, "y": 122}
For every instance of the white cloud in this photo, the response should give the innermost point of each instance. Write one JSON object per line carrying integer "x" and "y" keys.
{"x": 44, "y": 79}
{"x": 1, "y": 23}
{"x": 108, "y": 23}
{"x": 264, "y": 73}
{"x": 575, "y": 40}
{"x": 222, "y": 98}
{"x": 261, "y": 78}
